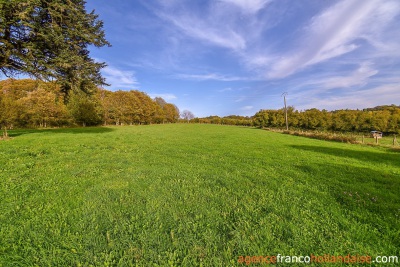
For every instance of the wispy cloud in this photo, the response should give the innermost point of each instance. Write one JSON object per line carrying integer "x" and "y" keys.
{"x": 379, "y": 95}
{"x": 120, "y": 79}
{"x": 248, "y": 6}
{"x": 335, "y": 32}
{"x": 230, "y": 24}
{"x": 322, "y": 52}
{"x": 228, "y": 89}
{"x": 164, "y": 96}
{"x": 359, "y": 77}
{"x": 207, "y": 29}
{"x": 340, "y": 29}
{"x": 246, "y": 108}
{"x": 240, "y": 99}
{"x": 211, "y": 76}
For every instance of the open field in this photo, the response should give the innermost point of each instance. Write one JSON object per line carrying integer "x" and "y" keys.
{"x": 191, "y": 195}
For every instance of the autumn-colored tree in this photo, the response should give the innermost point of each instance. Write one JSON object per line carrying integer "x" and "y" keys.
{"x": 10, "y": 109}
{"x": 394, "y": 122}
{"x": 159, "y": 113}
{"x": 43, "y": 108}
{"x": 261, "y": 119}
{"x": 380, "y": 120}
{"x": 312, "y": 119}
{"x": 9, "y": 112}
{"x": 171, "y": 113}
{"x": 146, "y": 107}
{"x": 104, "y": 98}
{"x": 33, "y": 103}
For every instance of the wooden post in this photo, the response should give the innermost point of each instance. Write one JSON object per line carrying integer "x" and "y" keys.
{"x": 363, "y": 139}
{"x": 394, "y": 140}
{"x": 376, "y": 138}
{"x": 286, "y": 118}
{"x": 5, "y": 133}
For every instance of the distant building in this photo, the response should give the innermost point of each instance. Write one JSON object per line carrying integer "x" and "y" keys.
{"x": 376, "y": 134}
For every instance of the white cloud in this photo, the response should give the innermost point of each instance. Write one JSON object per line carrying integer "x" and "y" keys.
{"x": 164, "y": 96}
{"x": 209, "y": 30}
{"x": 120, "y": 79}
{"x": 240, "y": 99}
{"x": 246, "y": 108}
{"x": 335, "y": 32}
{"x": 380, "y": 95}
{"x": 224, "y": 90}
{"x": 232, "y": 25}
{"x": 211, "y": 76}
{"x": 248, "y": 6}
{"x": 358, "y": 77}
{"x": 321, "y": 52}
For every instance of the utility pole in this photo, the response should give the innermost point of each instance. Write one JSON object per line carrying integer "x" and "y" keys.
{"x": 286, "y": 120}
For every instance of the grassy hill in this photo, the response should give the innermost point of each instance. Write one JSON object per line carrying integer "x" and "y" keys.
{"x": 191, "y": 195}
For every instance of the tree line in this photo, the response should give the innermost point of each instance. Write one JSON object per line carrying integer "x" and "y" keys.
{"x": 32, "y": 103}
{"x": 381, "y": 118}
{"x": 227, "y": 120}
{"x": 49, "y": 40}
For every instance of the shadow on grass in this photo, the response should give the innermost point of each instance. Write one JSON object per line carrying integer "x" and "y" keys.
{"x": 82, "y": 130}
{"x": 390, "y": 157}
{"x": 357, "y": 188}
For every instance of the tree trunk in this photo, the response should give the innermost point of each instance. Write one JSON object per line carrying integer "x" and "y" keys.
{"x": 5, "y": 133}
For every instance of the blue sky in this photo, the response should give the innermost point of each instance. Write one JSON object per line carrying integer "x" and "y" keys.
{"x": 224, "y": 57}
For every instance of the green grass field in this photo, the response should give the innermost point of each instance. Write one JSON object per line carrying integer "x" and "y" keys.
{"x": 191, "y": 195}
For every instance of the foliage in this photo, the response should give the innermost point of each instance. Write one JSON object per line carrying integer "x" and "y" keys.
{"x": 83, "y": 109}
{"x": 49, "y": 40}
{"x": 384, "y": 118}
{"x": 171, "y": 113}
{"x": 8, "y": 113}
{"x": 43, "y": 107}
{"x": 187, "y": 115}
{"x": 191, "y": 195}
{"x": 134, "y": 107}
{"x": 30, "y": 103}
{"x": 227, "y": 120}
{"x": 165, "y": 112}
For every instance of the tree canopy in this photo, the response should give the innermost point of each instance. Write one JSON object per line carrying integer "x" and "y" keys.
{"x": 187, "y": 115}
{"x": 49, "y": 40}
{"x": 32, "y": 103}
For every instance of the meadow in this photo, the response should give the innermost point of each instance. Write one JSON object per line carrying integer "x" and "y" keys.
{"x": 191, "y": 195}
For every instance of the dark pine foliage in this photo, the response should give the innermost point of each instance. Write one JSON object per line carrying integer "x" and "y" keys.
{"x": 49, "y": 40}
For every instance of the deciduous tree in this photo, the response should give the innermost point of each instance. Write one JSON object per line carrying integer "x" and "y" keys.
{"x": 42, "y": 108}
{"x": 187, "y": 115}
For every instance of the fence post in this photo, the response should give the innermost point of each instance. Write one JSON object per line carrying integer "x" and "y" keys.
{"x": 394, "y": 140}
{"x": 363, "y": 139}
